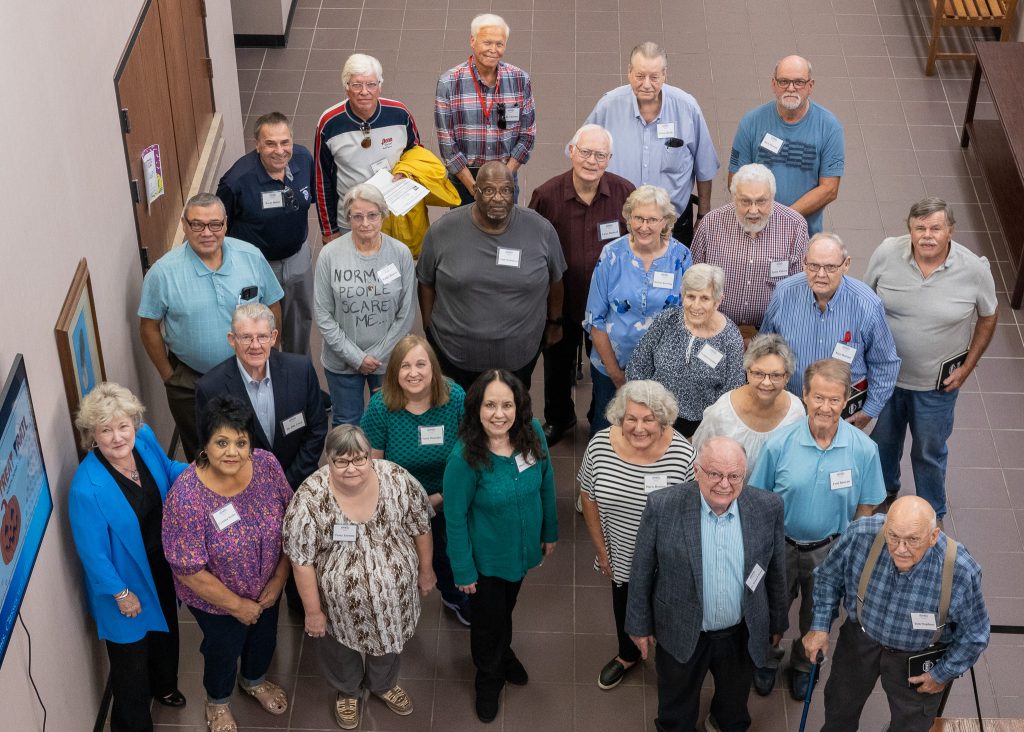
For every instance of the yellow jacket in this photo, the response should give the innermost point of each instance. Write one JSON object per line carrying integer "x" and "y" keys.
{"x": 426, "y": 169}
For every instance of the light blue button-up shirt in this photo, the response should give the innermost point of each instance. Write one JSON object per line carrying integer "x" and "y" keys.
{"x": 721, "y": 548}
{"x": 261, "y": 397}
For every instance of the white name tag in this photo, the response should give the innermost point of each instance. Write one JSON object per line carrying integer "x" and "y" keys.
{"x": 844, "y": 352}
{"x": 609, "y": 230}
{"x": 380, "y": 165}
{"x": 388, "y": 274}
{"x": 524, "y": 462}
{"x": 771, "y": 143}
{"x": 779, "y": 269}
{"x": 710, "y": 355}
{"x": 841, "y": 479}
{"x": 225, "y": 516}
{"x": 655, "y": 483}
{"x": 666, "y": 130}
{"x": 923, "y": 621}
{"x": 664, "y": 280}
{"x": 432, "y": 435}
{"x": 509, "y": 257}
{"x": 344, "y": 532}
{"x": 511, "y": 114}
{"x": 754, "y": 578}
{"x": 273, "y": 199}
{"x": 295, "y": 422}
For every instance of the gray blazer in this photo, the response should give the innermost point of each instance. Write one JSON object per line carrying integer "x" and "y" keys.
{"x": 666, "y": 591}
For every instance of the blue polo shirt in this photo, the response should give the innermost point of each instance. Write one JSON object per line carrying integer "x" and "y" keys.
{"x": 268, "y": 213}
{"x": 195, "y": 303}
{"x": 820, "y": 489}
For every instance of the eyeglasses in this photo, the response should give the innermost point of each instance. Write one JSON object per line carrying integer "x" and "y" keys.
{"x": 815, "y": 268}
{"x": 912, "y": 542}
{"x": 775, "y": 377}
{"x": 372, "y": 218}
{"x": 752, "y": 202}
{"x": 585, "y": 154}
{"x": 819, "y": 400}
{"x": 370, "y": 86}
{"x": 246, "y": 340}
{"x": 365, "y": 129}
{"x": 198, "y": 226}
{"x": 492, "y": 192}
{"x": 342, "y": 463}
{"x": 502, "y": 123}
{"x": 289, "y": 199}
{"x": 716, "y": 477}
{"x": 646, "y": 221}
{"x": 795, "y": 83}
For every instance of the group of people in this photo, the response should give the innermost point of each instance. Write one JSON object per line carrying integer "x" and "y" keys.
{"x": 736, "y": 370}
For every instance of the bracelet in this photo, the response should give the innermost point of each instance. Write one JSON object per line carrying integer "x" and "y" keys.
{"x": 121, "y": 595}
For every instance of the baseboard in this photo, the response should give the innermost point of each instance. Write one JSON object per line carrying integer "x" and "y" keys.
{"x": 267, "y": 40}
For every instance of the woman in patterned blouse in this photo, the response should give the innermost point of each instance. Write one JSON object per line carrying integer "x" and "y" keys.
{"x": 358, "y": 535}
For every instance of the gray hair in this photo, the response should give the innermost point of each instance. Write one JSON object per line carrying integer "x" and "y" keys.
{"x": 590, "y": 128}
{"x": 101, "y": 405}
{"x": 650, "y": 394}
{"x": 646, "y": 195}
{"x": 253, "y": 311}
{"x": 753, "y": 173}
{"x": 769, "y": 344}
{"x": 488, "y": 20}
{"x": 829, "y": 236}
{"x": 830, "y": 369}
{"x": 927, "y": 206}
{"x": 361, "y": 64}
{"x": 346, "y": 439}
{"x": 810, "y": 69}
{"x": 270, "y": 118}
{"x": 701, "y": 276}
{"x": 649, "y": 50}
{"x": 368, "y": 193}
{"x": 203, "y": 200}
{"x": 712, "y": 442}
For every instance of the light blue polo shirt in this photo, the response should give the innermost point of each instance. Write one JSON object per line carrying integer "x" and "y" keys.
{"x": 196, "y": 303}
{"x": 721, "y": 550}
{"x": 820, "y": 489}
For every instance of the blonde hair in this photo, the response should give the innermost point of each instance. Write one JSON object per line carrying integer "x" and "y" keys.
{"x": 101, "y": 405}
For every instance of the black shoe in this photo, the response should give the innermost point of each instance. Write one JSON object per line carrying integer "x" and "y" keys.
{"x": 461, "y": 611}
{"x": 174, "y": 699}
{"x": 799, "y": 682}
{"x": 515, "y": 673}
{"x": 612, "y": 674}
{"x": 553, "y": 433}
{"x": 487, "y": 705}
{"x": 764, "y": 680}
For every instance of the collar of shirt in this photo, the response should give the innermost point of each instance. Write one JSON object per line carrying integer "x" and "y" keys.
{"x": 199, "y": 265}
{"x": 264, "y": 177}
{"x": 359, "y": 121}
{"x": 569, "y": 190}
{"x": 471, "y": 66}
{"x": 952, "y": 257}
{"x": 833, "y": 302}
{"x": 636, "y": 109}
{"x": 840, "y": 439}
{"x": 732, "y": 511}
{"x": 248, "y": 380}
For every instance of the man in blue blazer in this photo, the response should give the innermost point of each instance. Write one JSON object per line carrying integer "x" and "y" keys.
{"x": 708, "y": 585}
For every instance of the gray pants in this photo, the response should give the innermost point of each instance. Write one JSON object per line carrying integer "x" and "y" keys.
{"x": 348, "y": 672}
{"x": 800, "y": 573}
{"x": 295, "y": 274}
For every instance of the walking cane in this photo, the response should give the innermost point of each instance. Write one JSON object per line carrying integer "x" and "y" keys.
{"x": 810, "y": 688}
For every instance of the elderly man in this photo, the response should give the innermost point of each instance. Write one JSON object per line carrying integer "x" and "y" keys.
{"x": 802, "y": 143}
{"x": 188, "y": 299}
{"x": 756, "y": 240}
{"x": 584, "y": 205}
{"x": 932, "y": 288}
{"x": 483, "y": 109}
{"x": 266, "y": 194}
{"x": 663, "y": 138}
{"x": 899, "y": 604}
{"x": 828, "y": 474}
{"x": 708, "y": 586}
{"x": 490, "y": 283}
{"x": 827, "y": 314}
{"x": 356, "y": 138}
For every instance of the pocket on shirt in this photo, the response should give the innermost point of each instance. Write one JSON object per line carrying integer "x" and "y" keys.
{"x": 675, "y": 159}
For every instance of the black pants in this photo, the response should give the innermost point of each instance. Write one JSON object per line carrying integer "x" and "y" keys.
{"x": 465, "y": 378}
{"x": 560, "y": 376}
{"x": 686, "y": 427}
{"x": 225, "y": 640}
{"x": 441, "y": 563}
{"x": 725, "y": 653}
{"x": 628, "y": 651}
{"x": 490, "y": 636}
{"x": 149, "y": 666}
{"x": 683, "y": 228}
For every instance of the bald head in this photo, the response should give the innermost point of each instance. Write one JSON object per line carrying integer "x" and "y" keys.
{"x": 793, "y": 67}
{"x": 722, "y": 448}
{"x": 911, "y": 529}
{"x": 495, "y": 193}
{"x": 911, "y": 510}
{"x": 721, "y": 469}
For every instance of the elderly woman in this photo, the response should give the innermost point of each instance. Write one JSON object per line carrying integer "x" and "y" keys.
{"x": 222, "y": 538}
{"x": 364, "y": 302}
{"x": 638, "y": 454}
{"x": 115, "y": 507}
{"x": 414, "y": 421}
{"x": 694, "y": 351}
{"x": 358, "y": 536}
{"x": 637, "y": 277}
{"x": 499, "y": 497}
{"x": 751, "y": 413}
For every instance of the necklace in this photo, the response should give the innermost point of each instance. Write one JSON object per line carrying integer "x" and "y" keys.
{"x": 132, "y": 472}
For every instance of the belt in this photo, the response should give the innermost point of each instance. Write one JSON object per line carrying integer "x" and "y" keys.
{"x": 810, "y": 546}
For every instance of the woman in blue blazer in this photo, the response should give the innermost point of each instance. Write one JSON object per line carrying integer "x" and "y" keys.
{"x": 116, "y": 507}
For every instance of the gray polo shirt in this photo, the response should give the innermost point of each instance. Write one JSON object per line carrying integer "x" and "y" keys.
{"x": 931, "y": 318}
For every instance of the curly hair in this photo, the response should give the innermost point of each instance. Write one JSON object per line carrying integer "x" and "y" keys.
{"x": 224, "y": 411}
{"x": 521, "y": 434}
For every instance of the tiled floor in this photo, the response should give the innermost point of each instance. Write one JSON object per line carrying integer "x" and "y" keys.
{"x": 902, "y": 143}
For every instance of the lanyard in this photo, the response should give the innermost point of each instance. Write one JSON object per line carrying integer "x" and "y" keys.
{"x": 479, "y": 95}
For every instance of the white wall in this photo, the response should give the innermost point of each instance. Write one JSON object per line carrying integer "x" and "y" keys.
{"x": 65, "y": 196}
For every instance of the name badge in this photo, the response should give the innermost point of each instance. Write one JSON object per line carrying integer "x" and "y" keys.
{"x": 273, "y": 199}
{"x": 511, "y": 114}
{"x": 841, "y": 479}
{"x": 509, "y": 257}
{"x": 225, "y": 516}
{"x": 344, "y": 532}
{"x": 664, "y": 280}
{"x": 666, "y": 130}
{"x": 771, "y": 143}
{"x": 609, "y": 230}
{"x": 432, "y": 435}
{"x": 524, "y": 462}
{"x": 388, "y": 274}
{"x": 295, "y": 422}
{"x": 844, "y": 352}
{"x": 779, "y": 269}
{"x": 923, "y": 621}
{"x": 710, "y": 355}
{"x": 655, "y": 483}
{"x": 380, "y": 165}
{"x": 754, "y": 578}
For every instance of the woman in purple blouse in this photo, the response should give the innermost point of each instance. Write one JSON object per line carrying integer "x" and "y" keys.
{"x": 222, "y": 538}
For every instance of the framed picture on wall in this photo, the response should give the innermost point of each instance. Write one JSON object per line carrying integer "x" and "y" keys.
{"x": 78, "y": 343}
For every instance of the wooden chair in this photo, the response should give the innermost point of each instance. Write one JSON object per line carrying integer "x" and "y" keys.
{"x": 998, "y": 14}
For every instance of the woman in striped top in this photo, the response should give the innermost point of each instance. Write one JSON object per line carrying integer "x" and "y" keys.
{"x": 638, "y": 454}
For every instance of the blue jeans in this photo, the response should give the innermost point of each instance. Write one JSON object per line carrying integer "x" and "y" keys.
{"x": 347, "y": 390}
{"x": 929, "y": 414}
{"x": 225, "y": 639}
{"x": 604, "y": 392}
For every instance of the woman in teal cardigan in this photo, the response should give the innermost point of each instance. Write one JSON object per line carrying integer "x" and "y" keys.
{"x": 499, "y": 497}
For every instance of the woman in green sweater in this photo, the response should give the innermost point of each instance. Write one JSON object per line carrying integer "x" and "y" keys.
{"x": 499, "y": 498}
